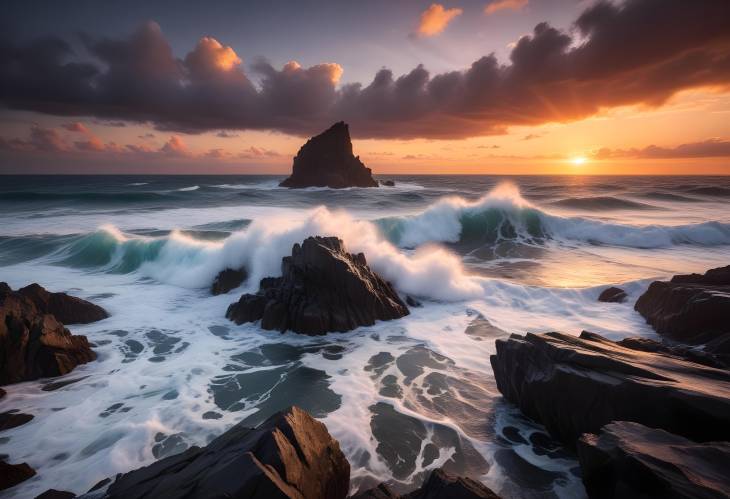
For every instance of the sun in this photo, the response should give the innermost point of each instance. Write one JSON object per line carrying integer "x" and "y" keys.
{"x": 578, "y": 160}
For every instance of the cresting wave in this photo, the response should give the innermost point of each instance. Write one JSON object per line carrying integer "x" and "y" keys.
{"x": 401, "y": 248}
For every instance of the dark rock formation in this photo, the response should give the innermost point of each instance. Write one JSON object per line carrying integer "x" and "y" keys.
{"x": 440, "y": 485}
{"x": 632, "y": 460}
{"x": 67, "y": 309}
{"x": 291, "y": 455}
{"x": 613, "y": 294}
{"x": 691, "y": 308}
{"x": 33, "y": 344}
{"x": 387, "y": 183}
{"x": 13, "y": 474}
{"x": 676, "y": 350}
{"x": 227, "y": 280}
{"x": 326, "y": 160}
{"x": 56, "y": 494}
{"x": 11, "y": 419}
{"x": 575, "y": 385}
{"x": 323, "y": 288}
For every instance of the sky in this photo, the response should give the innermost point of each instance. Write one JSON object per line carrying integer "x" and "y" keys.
{"x": 465, "y": 86}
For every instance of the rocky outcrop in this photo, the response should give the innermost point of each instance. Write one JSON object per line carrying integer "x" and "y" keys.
{"x": 676, "y": 350}
{"x": 323, "y": 288}
{"x": 291, "y": 455}
{"x": 56, "y": 494}
{"x": 65, "y": 308}
{"x": 692, "y": 308}
{"x": 326, "y": 160}
{"x": 13, "y": 474}
{"x": 33, "y": 344}
{"x": 612, "y": 295}
{"x": 575, "y": 385}
{"x": 440, "y": 485}
{"x": 631, "y": 460}
{"x": 387, "y": 183}
{"x": 227, "y": 280}
{"x": 13, "y": 419}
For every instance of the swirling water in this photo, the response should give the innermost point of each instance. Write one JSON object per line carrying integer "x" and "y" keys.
{"x": 486, "y": 256}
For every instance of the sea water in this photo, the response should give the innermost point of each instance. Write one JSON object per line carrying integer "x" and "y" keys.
{"x": 486, "y": 256}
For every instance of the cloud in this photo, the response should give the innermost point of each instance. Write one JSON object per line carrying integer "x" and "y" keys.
{"x": 175, "y": 147}
{"x": 710, "y": 148}
{"x": 257, "y": 152}
{"x": 40, "y": 139}
{"x": 611, "y": 57}
{"x": 532, "y": 136}
{"x": 226, "y": 135}
{"x": 498, "y": 5}
{"x": 76, "y": 126}
{"x": 435, "y": 19}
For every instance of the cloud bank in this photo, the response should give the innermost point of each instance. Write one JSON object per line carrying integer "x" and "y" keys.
{"x": 636, "y": 52}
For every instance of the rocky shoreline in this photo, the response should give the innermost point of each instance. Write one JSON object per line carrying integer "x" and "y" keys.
{"x": 645, "y": 418}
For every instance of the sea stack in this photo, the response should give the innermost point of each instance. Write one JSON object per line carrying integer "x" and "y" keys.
{"x": 326, "y": 160}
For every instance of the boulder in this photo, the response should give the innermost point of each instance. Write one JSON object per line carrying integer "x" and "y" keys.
{"x": 67, "y": 309}
{"x": 613, "y": 294}
{"x": 575, "y": 385}
{"x": 33, "y": 344}
{"x": 387, "y": 183}
{"x": 692, "y": 308}
{"x": 56, "y": 494}
{"x": 631, "y": 460}
{"x": 227, "y": 280}
{"x": 13, "y": 474}
{"x": 326, "y": 160}
{"x": 290, "y": 455}
{"x": 12, "y": 419}
{"x": 323, "y": 288}
{"x": 440, "y": 485}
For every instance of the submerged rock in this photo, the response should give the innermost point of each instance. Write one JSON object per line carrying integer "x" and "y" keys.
{"x": 575, "y": 385}
{"x": 326, "y": 160}
{"x": 322, "y": 289}
{"x": 11, "y": 419}
{"x": 387, "y": 183}
{"x": 613, "y": 294}
{"x": 290, "y": 455}
{"x": 692, "y": 308}
{"x": 227, "y": 280}
{"x": 440, "y": 485}
{"x": 13, "y": 474}
{"x": 67, "y": 309}
{"x": 33, "y": 344}
{"x": 631, "y": 460}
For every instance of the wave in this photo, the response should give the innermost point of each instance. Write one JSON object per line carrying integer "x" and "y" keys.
{"x": 188, "y": 189}
{"x": 272, "y": 185}
{"x": 137, "y": 184}
{"x": 666, "y": 196}
{"x": 714, "y": 191}
{"x": 85, "y": 197}
{"x": 601, "y": 203}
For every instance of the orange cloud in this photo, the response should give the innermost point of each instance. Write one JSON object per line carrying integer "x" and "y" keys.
{"x": 76, "y": 126}
{"x": 175, "y": 147}
{"x": 498, "y": 5}
{"x": 435, "y": 19}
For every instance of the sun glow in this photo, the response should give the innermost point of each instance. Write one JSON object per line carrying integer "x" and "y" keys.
{"x": 578, "y": 160}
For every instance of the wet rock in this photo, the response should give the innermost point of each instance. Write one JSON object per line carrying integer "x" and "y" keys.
{"x": 322, "y": 289}
{"x": 34, "y": 344}
{"x": 289, "y": 455}
{"x": 13, "y": 474}
{"x": 387, "y": 183}
{"x": 631, "y": 460}
{"x": 56, "y": 494}
{"x": 326, "y": 160}
{"x": 613, "y": 294}
{"x": 440, "y": 485}
{"x": 381, "y": 491}
{"x": 227, "y": 280}
{"x": 67, "y": 309}
{"x": 692, "y": 308}
{"x": 575, "y": 385}
{"x": 12, "y": 419}
{"x": 676, "y": 350}
{"x": 412, "y": 302}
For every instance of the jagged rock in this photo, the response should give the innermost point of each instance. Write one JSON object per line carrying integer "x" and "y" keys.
{"x": 613, "y": 294}
{"x": 323, "y": 288}
{"x": 679, "y": 351}
{"x": 691, "y": 308}
{"x": 387, "y": 183}
{"x": 326, "y": 160}
{"x": 13, "y": 474}
{"x": 10, "y": 419}
{"x": 412, "y": 302}
{"x": 575, "y": 385}
{"x": 67, "y": 309}
{"x": 290, "y": 455}
{"x": 33, "y": 344}
{"x": 227, "y": 280}
{"x": 56, "y": 494}
{"x": 440, "y": 485}
{"x": 631, "y": 460}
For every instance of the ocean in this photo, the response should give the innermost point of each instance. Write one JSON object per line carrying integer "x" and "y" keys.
{"x": 486, "y": 256}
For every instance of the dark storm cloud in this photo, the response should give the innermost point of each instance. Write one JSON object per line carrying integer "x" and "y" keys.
{"x": 637, "y": 52}
{"x": 711, "y": 148}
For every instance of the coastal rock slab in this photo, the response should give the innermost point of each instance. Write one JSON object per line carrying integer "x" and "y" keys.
{"x": 326, "y": 160}
{"x": 33, "y": 344}
{"x": 290, "y": 455}
{"x": 631, "y": 460}
{"x": 322, "y": 289}
{"x": 575, "y": 385}
{"x": 440, "y": 485}
{"x": 65, "y": 308}
{"x": 227, "y": 280}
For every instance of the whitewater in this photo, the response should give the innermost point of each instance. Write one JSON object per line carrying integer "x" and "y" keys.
{"x": 485, "y": 256}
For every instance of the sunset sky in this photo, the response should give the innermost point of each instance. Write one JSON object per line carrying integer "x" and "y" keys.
{"x": 502, "y": 86}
